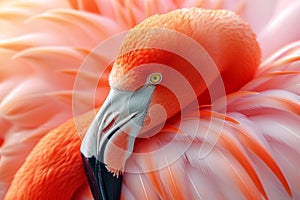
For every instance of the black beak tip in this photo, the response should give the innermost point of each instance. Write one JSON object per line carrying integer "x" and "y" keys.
{"x": 104, "y": 185}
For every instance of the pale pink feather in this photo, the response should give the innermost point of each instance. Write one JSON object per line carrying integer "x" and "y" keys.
{"x": 44, "y": 43}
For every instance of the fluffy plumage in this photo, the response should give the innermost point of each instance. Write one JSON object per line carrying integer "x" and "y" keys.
{"x": 265, "y": 111}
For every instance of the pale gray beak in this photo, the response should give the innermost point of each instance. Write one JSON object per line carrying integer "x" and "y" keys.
{"x": 120, "y": 118}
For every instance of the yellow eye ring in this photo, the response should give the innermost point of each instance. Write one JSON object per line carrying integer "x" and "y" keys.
{"x": 155, "y": 78}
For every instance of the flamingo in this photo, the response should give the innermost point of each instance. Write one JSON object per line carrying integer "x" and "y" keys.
{"x": 259, "y": 163}
{"x": 141, "y": 87}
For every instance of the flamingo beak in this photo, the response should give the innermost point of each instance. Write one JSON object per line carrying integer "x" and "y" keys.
{"x": 110, "y": 139}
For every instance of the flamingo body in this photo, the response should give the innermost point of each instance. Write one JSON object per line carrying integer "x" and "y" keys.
{"x": 255, "y": 157}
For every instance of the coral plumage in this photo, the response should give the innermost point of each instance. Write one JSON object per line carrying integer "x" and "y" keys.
{"x": 42, "y": 47}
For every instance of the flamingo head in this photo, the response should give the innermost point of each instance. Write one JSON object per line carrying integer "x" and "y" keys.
{"x": 165, "y": 63}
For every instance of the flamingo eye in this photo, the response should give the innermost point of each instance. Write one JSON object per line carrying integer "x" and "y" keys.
{"x": 155, "y": 78}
